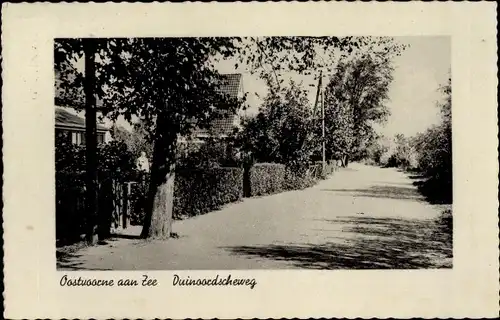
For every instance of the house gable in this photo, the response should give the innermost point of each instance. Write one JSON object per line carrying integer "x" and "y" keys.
{"x": 69, "y": 121}
{"x": 223, "y": 127}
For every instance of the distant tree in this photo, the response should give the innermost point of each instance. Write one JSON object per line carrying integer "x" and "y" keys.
{"x": 278, "y": 57}
{"x": 378, "y": 149}
{"x": 339, "y": 130}
{"x": 403, "y": 153}
{"x": 355, "y": 99}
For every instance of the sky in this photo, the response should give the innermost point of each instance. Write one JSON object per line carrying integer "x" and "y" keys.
{"x": 420, "y": 70}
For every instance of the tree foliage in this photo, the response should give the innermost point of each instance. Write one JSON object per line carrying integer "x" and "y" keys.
{"x": 355, "y": 99}
{"x": 404, "y": 153}
{"x": 378, "y": 150}
{"x": 145, "y": 77}
{"x": 280, "y": 132}
{"x": 136, "y": 140}
{"x": 434, "y": 150}
{"x": 114, "y": 159}
{"x": 274, "y": 58}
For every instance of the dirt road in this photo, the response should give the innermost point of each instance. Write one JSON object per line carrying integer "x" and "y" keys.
{"x": 362, "y": 217}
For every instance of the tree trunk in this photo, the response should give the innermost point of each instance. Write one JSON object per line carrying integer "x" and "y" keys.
{"x": 247, "y": 192}
{"x": 91, "y": 198}
{"x": 160, "y": 202}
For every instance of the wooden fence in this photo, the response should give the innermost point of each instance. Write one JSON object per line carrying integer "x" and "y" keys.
{"x": 118, "y": 202}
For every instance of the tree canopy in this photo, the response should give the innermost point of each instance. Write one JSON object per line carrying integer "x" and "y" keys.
{"x": 273, "y": 58}
{"x": 355, "y": 99}
{"x": 280, "y": 131}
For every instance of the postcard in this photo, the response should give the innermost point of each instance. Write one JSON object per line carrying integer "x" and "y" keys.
{"x": 250, "y": 160}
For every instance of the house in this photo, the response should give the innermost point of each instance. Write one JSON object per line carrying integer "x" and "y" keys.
{"x": 71, "y": 128}
{"x": 223, "y": 127}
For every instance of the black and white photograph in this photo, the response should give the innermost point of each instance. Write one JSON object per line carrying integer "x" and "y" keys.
{"x": 229, "y": 153}
{"x": 250, "y": 160}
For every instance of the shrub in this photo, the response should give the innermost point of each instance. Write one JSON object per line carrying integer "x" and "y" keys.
{"x": 384, "y": 159}
{"x": 198, "y": 191}
{"x": 445, "y": 220}
{"x": 266, "y": 178}
{"x": 69, "y": 158}
{"x": 113, "y": 159}
{"x": 297, "y": 180}
{"x": 138, "y": 199}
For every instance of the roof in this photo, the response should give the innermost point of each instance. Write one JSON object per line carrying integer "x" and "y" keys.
{"x": 231, "y": 84}
{"x": 224, "y": 126}
{"x": 218, "y": 127}
{"x": 67, "y": 120}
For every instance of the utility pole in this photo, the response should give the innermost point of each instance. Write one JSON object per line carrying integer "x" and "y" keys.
{"x": 91, "y": 197}
{"x": 323, "y": 127}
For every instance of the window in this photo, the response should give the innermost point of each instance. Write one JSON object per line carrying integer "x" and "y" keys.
{"x": 76, "y": 138}
{"x": 100, "y": 138}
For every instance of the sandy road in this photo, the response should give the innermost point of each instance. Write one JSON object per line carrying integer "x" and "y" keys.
{"x": 362, "y": 217}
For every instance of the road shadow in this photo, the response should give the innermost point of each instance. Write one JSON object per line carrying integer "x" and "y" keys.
{"x": 378, "y": 244}
{"x": 390, "y": 192}
{"x": 68, "y": 260}
{"x": 415, "y": 176}
{"x": 67, "y": 257}
{"x": 125, "y": 236}
{"x": 437, "y": 192}
{"x": 434, "y": 191}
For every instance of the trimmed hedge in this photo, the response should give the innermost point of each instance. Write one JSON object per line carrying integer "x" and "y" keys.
{"x": 138, "y": 198}
{"x": 198, "y": 191}
{"x": 298, "y": 180}
{"x": 271, "y": 178}
{"x": 266, "y": 178}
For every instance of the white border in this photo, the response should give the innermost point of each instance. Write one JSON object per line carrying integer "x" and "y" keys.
{"x": 32, "y": 288}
